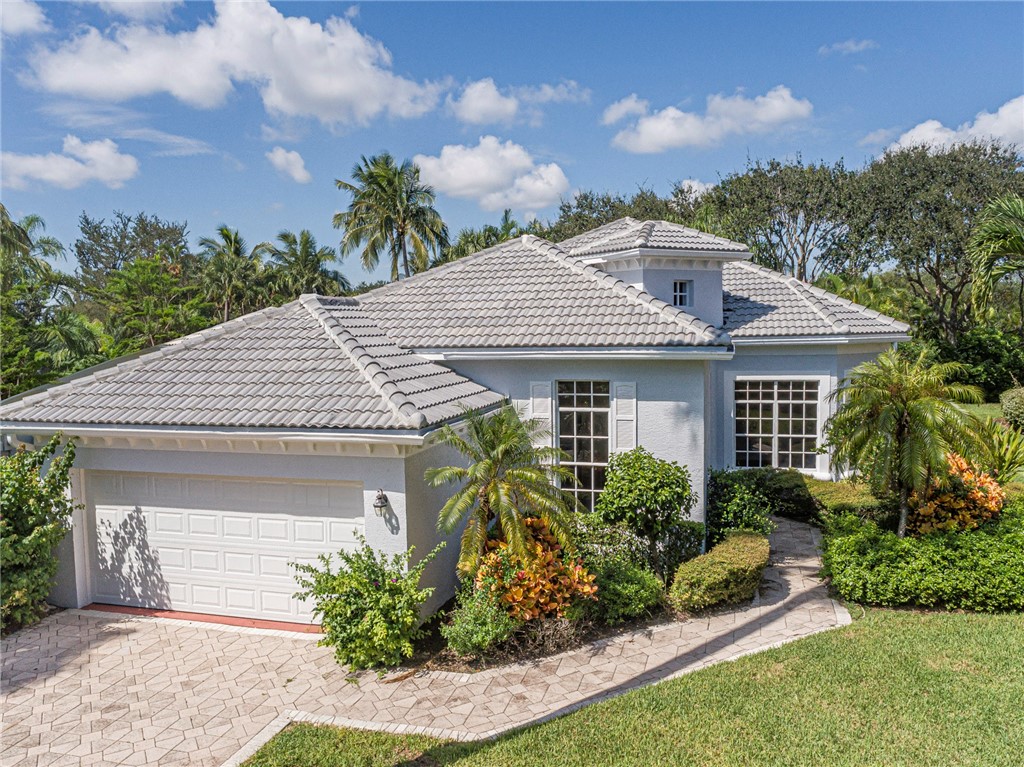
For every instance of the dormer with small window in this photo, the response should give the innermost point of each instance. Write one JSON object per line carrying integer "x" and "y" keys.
{"x": 676, "y": 264}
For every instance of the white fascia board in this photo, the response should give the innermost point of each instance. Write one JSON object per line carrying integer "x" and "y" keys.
{"x": 699, "y": 255}
{"x": 193, "y": 433}
{"x": 873, "y": 338}
{"x": 603, "y": 353}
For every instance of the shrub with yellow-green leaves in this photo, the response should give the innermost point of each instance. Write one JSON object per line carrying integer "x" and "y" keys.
{"x": 544, "y": 584}
{"x": 962, "y": 500}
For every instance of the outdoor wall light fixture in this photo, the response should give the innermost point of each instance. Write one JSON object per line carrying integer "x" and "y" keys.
{"x": 380, "y": 503}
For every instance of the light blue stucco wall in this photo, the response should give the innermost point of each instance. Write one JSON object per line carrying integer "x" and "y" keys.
{"x": 658, "y": 281}
{"x": 669, "y": 397}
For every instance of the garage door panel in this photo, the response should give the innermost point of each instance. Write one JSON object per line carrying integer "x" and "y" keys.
{"x": 209, "y": 545}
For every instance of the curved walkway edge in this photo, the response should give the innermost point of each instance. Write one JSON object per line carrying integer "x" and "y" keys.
{"x": 85, "y": 687}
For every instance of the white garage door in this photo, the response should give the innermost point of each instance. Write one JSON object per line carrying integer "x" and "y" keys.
{"x": 213, "y": 545}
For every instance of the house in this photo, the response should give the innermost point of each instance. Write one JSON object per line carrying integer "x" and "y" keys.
{"x": 208, "y": 464}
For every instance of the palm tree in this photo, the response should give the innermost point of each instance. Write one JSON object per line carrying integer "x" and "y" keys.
{"x": 391, "y": 212}
{"x": 71, "y": 341}
{"x": 472, "y": 241}
{"x": 898, "y": 421}
{"x": 232, "y": 271}
{"x": 24, "y": 250}
{"x": 302, "y": 265}
{"x": 997, "y": 249}
{"x": 508, "y": 479}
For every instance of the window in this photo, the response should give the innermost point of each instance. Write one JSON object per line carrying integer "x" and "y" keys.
{"x": 777, "y": 424}
{"x": 583, "y": 414}
{"x": 682, "y": 293}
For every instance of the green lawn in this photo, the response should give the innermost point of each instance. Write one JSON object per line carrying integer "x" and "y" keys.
{"x": 988, "y": 410}
{"x": 895, "y": 688}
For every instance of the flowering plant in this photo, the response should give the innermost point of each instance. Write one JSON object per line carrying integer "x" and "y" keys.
{"x": 543, "y": 584}
{"x": 962, "y": 500}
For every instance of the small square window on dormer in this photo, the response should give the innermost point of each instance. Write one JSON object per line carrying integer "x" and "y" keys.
{"x": 682, "y": 293}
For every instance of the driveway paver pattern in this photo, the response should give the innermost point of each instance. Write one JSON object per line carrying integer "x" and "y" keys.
{"x": 85, "y": 687}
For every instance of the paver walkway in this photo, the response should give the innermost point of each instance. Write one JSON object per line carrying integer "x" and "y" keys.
{"x": 96, "y": 688}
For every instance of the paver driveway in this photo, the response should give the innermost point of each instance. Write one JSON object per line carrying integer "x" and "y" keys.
{"x": 97, "y": 688}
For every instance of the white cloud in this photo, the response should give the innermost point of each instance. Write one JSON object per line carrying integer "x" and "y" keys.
{"x": 122, "y": 123}
{"x": 22, "y": 17}
{"x": 1006, "y": 124}
{"x": 290, "y": 164}
{"x": 630, "y": 106}
{"x": 724, "y": 116}
{"x": 481, "y": 103}
{"x": 79, "y": 163}
{"x": 496, "y": 174}
{"x": 330, "y": 72}
{"x": 138, "y": 10}
{"x": 847, "y": 47}
{"x": 879, "y": 137}
{"x": 696, "y": 186}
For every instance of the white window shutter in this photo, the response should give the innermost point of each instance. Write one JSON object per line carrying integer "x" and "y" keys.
{"x": 624, "y": 404}
{"x": 540, "y": 409}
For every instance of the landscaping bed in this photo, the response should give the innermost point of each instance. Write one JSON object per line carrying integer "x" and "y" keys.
{"x": 847, "y": 697}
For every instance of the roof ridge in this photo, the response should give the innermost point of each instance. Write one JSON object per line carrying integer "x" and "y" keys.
{"x": 607, "y": 236}
{"x": 127, "y": 362}
{"x": 397, "y": 399}
{"x": 800, "y": 288}
{"x": 805, "y": 288}
{"x": 644, "y": 235}
{"x": 710, "y": 333}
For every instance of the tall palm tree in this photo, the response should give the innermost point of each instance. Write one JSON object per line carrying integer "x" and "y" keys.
{"x": 302, "y": 265}
{"x": 232, "y": 270}
{"x": 508, "y": 479}
{"x": 391, "y": 212}
{"x": 898, "y": 420}
{"x": 71, "y": 341}
{"x": 997, "y": 249}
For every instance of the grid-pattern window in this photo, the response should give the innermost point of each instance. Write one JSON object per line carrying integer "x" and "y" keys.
{"x": 584, "y": 409}
{"x": 682, "y": 293}
{"x": 777, "y": 424}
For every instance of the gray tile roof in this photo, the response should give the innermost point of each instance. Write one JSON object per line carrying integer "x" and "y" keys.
{"x": 528, "y": 293}
{"x": 761, "y": 303}
{"x": 346, "y": 363}
{"x": 297, "y": 366}
{"x": 630, "y": 234}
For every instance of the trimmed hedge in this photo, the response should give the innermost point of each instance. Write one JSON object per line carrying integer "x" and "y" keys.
{"x": 835, "y": 499}
{"x": 1012, "y": 402}
{"x": 624, "y": 591}
{"x": 980, "y": 570}
{"x": 728, "y": 574}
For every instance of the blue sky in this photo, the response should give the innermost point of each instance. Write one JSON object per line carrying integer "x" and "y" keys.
{"x": 245, "y": 113}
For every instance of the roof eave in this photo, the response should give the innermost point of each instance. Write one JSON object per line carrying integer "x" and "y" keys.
{"x": 822, "y": 340}
{"x": 707, "y": 352}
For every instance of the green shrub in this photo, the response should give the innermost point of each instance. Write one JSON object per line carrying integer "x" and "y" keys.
{"x": 1012, "y": 402}
{"x": 478, "y": 623}
{"x": 981, "y": 570}
{"x": 738, "y": 500}
{"x": 369, "y": 607}
{"x": 652, "y": 498}
{"x": 645, "y": 493}
{"x": 728, "y": 574}
{"x": 624, "y": 591}
{"x": 595, "y": 540}
{"x": 835, "y": 499}
{"x": 999, "y": 451}
{"x": 35, "y": 514}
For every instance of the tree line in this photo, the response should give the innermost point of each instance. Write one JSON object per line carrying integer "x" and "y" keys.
{"x": 922, "y": 234}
